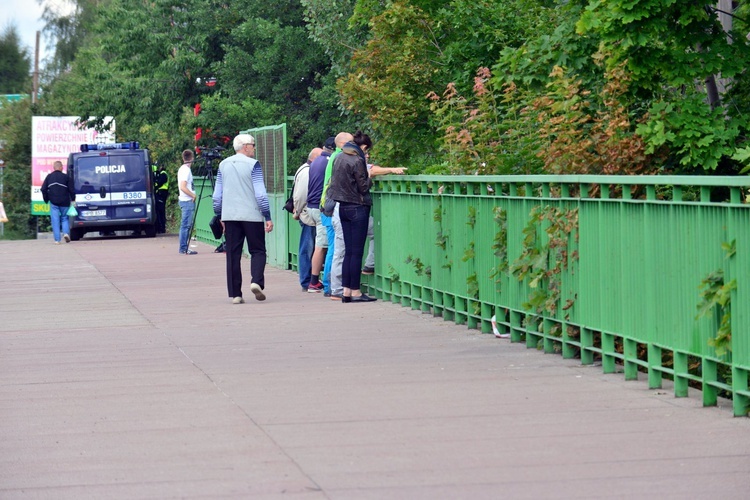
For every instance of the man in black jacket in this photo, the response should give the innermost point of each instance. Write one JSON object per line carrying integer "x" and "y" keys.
{"x": 59, "y": 192}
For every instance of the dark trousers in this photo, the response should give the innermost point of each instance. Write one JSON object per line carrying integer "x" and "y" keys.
{"x": 236, "y": 233}
{"x": 161, "y": 211}
{"x": 354, "y": 221}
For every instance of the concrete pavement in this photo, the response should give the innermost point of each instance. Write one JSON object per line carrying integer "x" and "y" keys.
{"x": 125, "y": 372}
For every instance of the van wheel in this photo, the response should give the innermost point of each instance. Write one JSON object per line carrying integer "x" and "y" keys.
{"x": 150, "y": 231}
{"x": 76, "y": 234}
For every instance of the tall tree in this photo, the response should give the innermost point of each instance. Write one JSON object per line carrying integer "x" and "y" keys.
{"x": 66, "y": 29}
{"x": 15, "y": 63}
{"x": 15, "y": 133}
{"x": 674, "y": 51}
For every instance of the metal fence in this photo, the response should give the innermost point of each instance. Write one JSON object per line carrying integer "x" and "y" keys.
{"x": 644, "y": 273}
{"x": 608, "y": 269}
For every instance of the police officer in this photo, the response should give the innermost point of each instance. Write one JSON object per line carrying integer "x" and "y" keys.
{"x": 161, "y": 188}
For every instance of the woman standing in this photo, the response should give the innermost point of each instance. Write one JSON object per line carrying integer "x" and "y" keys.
{"x": 350, "y": 187}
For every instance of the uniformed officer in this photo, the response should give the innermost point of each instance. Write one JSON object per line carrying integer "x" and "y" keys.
{"x": 161, "y": 189}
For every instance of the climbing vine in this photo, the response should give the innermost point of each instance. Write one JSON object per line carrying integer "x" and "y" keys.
{"x": 716, "y": 298}
{"x": 419, "y": 267}
{"x": 542, "y": 263}
{"x": 500, "y": 244}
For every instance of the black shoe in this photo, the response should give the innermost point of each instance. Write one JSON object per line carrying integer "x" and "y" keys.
{"x": 345, "y": 299}
{"x": 363, "y": 298}
{"x": 368, "y": 270}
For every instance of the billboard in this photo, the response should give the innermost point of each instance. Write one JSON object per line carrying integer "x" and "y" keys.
{"x": 54, "y": 138}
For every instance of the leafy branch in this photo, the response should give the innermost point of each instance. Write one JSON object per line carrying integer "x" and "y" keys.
{"x": 716, "y": 298}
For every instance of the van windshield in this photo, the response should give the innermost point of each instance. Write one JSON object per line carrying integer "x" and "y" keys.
{"x": 113, "y": 173}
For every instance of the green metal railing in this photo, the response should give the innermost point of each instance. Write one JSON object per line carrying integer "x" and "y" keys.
{"x": 609, "y": 269}
{"x": 605, "y": 268}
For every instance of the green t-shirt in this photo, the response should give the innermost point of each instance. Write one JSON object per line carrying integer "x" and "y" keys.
{"x": 327, "y": 176}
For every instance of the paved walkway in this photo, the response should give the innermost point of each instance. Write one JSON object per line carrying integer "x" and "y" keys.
{"x": 125, "y": 372}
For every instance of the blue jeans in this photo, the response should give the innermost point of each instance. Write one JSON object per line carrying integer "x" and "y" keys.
{"x": 354, "y": 221}
{"x": 304, "y": 259}
{"x": 59, "y": 215}
{"x": 188, "y": 209}
{"x": 328, "y": 265}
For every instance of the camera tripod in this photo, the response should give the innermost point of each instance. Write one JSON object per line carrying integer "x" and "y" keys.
{"x": 207, "y": 168}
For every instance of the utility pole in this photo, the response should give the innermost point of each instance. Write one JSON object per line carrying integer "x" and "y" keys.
{"x": 35, "y": 89}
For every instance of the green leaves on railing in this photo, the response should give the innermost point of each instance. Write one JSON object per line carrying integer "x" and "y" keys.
{"x": 441, "y": 239}
{"x": 543, "y": 260}
{"x": 730, "y": 248}
{"x": 393, "y": 274}
{"x": 500, "y": 244}
{"x": 469, "y": 253}
{"x": 716, "y": 298}
{"x": 419, "y": 267}
{"x": 472, "y": 217}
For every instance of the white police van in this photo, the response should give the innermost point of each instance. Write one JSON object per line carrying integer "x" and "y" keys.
{"x": 114, "y": 188}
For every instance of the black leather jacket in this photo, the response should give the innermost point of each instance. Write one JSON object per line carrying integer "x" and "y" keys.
{"x": 350, "y": 181}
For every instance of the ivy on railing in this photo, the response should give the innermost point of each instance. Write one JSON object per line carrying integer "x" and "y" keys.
{"x": 716, "y": 296}
{"x": 500, "y": 244}
{"x": 542, "y": 263}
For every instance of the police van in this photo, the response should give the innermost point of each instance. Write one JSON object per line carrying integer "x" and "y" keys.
{"x": 114, "y": 187}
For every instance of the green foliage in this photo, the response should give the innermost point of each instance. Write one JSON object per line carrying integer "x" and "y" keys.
{"x": 389, "y": 77}
{"x": 419, "y": 267}
{"x": 698, "y": 136}
{"x": 472, "y": 219}
{"x": 485, "y": 134}
{"x": 674, "y": 51}
{"x": 574, "y": 87}
{"x": 393, "y": 274}
{"x": 500, "y": 244}
{"x": 469, "y": 253}
{"x": 716, "y": 300}
{"x": 541, "y": 263}
{"x": 472, "y": 287}
{"x": 15, "y": 133}
{"x": 67, "y": 32}
{"x": 441, "y": 240}
{"x": 15, "y": 63}
{"x": 150, "y": 64}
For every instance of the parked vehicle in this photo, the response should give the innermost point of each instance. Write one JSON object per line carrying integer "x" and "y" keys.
{"x": 114, "y": 188}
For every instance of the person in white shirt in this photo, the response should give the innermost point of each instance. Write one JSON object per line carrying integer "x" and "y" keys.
{"x": 187, "y": 200}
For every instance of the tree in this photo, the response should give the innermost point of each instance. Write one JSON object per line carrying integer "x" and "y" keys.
{"x": 150, "y": 63}
{"x": 15, "y": 133}
{"x": 67, "y": 31}
{"x": 674, "y": 52}
{"x": 419, "y": 47}
{"x": 389, "y": 79}
{"x": 15, "y": 63}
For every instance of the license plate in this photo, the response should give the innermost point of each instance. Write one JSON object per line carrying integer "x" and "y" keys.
{"x": 93, "y": 213}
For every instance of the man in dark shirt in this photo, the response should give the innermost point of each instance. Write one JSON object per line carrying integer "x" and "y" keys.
{"x": 58, "y": 191}
{"x": 314, "y": 192}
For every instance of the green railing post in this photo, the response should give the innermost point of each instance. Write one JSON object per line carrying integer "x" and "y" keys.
{"x": 710, "y": 394}
{"x": 654, "y": 367}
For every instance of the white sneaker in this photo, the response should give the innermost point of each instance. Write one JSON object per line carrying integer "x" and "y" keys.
{"x": 66, "y": 237}
{"x": 238, "y": 300}
{"x": 255, "y": 288}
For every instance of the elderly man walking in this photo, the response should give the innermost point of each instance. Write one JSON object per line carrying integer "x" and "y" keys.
{"x": 241, "y": 201}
